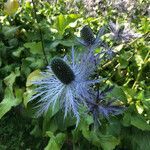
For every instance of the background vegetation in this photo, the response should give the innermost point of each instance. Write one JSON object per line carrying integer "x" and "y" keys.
{"x": 36, "y": 31}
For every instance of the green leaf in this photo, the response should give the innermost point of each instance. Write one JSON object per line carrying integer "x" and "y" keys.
{"x": 118, "y": 94}
{"x": 35, "y": 48}
{"x": 49, "y": 122}
{"x": 18, "y": 52}
{"x": 124, "y": 59}
{"x": 55, "y": 142}
{"x": 37, "y": 132}
{"x": 12, "y": 97}
{"x": 9, "y": 32}
{"x": 13, "y": 42}
{"x": 135, "y": 139}
{"x": 10, "y": 100}
{"x": 33, "y": 76}
{"x": 54, "y": 44}
{"x": 140, "y": 122}
{"x": 108, "y": 142}
{"x": 9, "y": 80}
{"x": 65, "y": 21}
{"x": 68, "y": 43}
{"x": 84, "y": 126}
{"x": 61, "y": 24}
{"x": 136, "y": 120}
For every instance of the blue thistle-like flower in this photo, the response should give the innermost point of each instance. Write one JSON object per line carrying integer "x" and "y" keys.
{"x": 66, "y": 81}
{"x": 87, "y": 35}
{"x": 91, "y": 43}
{"x": 88, "y": 39}
{"x": 122, "y": 32}
{"x": 99, "y": 106}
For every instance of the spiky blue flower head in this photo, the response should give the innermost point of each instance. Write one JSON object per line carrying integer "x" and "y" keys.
{"x": 87, "y": 35}
{"x": 66, "y": 81}
{"x": 99, "y": 106}
{"x": 122, "y": 33}
{"x": 91, "y": 43}
{"x": 88, "y": 39}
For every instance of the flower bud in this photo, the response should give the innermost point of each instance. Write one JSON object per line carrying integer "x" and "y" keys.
{"x": 87, "y": 35}
{"x": 62, "y": 71}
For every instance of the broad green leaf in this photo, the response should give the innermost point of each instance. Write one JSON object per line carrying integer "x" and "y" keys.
{"x": 68, "y": 43}
{"x": 33, "y": 76}
{"x": 76, "y": 133}
{"x": 55, "y": 142}
{"x": 18, "y": 52}
{"x": 136, "y": 120}
{"x": 114, "y": 127}
{"x": 13, "y": 42}
{"x": 9, "y": 80}
{"x": 54, "y": 44}
{"x": 124, "y": 59}
{"x": 108, "y": 142}
{"x": 9, "y": 32}
{"x": 57, "y": 122}
{"x": 50, "y": 134}
{"x": 49, "y": 122}
{"x": 118, "y": 94}
{"x": 135, "y": 139}
{"x": 63, "y": 22}
{"x": 35, "y": 48}
{"x": 10, "y": 100}
{"x": 84, "y": 126}
{"x": 27, "y": 95}
{"x": 37, "y": 132}
{"x": 140, "y": 122}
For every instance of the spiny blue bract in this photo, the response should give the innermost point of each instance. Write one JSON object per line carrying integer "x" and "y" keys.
{"x": 67, "y": 82}
{"x": 122, "y": 32}
{"x": 101, "y": 106}
{"x": 62, "y": 71}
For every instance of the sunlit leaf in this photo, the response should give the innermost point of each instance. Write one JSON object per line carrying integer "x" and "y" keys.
{"x": 11, "y": 6}
{"x": 33, "y": 76}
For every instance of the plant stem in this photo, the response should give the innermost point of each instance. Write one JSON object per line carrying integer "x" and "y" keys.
{"x": 139, "y": 74}
{"x": 40, "y": 32}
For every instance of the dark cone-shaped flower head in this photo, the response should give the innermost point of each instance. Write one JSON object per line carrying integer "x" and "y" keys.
{"x": 62, "y": 71}
{"x": 87, "y": 35}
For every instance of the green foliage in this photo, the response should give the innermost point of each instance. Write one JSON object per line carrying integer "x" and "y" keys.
{"x": 55, "y": 142}
{"x": 30, "y": 38}
{"x": 35, "y": 48}
{"x": 11, "y": 99}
